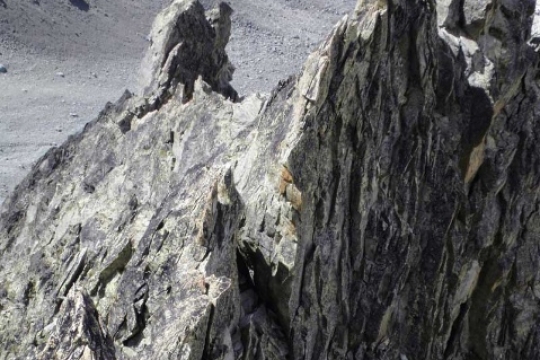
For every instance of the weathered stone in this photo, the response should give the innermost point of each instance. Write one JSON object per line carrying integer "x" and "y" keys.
{"x": 186, "y": 45}
{"x": 87, "y": 336}
{"x": 381, "y": 205}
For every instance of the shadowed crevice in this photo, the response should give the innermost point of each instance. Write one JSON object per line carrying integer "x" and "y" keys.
{"x": 80, "y": 4}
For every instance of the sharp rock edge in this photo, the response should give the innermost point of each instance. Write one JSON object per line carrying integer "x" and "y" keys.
{"x": 384, "y": 204}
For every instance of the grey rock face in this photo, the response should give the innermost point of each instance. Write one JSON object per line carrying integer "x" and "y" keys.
{"x": 381, "y": 205}
{"x": 88, "y": 337}
{"x": 186, "y": 45}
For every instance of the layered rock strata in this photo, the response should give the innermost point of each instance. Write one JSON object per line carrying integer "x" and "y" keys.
{"x": 384, "y": 204}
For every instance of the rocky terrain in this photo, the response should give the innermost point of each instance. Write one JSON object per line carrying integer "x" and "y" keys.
{"x": 66, "y": 59}
{"x": 381, "y": 204}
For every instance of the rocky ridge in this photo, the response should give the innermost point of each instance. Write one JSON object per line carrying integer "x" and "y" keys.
{"x": 383, "y": 204}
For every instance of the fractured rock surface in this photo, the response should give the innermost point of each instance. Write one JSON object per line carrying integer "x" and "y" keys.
{"x": 383, "y": 204}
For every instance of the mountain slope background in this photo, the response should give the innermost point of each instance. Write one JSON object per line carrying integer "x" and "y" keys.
{"x": 67, "y": 58}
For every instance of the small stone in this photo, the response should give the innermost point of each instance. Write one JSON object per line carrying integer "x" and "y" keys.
{"x": 74, "y": 115}
{"x": 3, "y": 69}
{"x": 60, "y": 74}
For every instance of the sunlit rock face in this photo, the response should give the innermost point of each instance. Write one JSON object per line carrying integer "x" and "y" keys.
{"x": 383, "y": 204}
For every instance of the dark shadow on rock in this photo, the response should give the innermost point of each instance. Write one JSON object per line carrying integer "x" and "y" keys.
{"x": 3, "y": 3}
{"x": 80, "y": 4}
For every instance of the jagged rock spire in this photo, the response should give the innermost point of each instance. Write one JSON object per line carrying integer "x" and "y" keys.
{"x": 78, "y": 332}
{"x": 185, "y": 45}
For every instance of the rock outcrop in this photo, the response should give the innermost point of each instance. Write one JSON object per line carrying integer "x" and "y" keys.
{"x": 186, "y": 45}
{"x": 384, "y": 204}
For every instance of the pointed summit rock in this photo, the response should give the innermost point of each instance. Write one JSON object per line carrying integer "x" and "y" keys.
{"x": 88, "y": 338}
{"x": 186, "y": 45}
